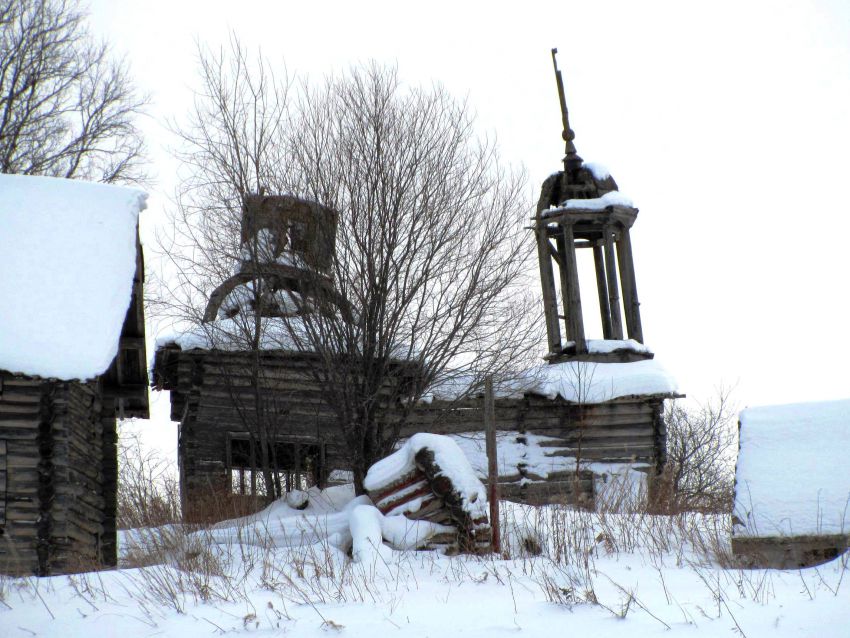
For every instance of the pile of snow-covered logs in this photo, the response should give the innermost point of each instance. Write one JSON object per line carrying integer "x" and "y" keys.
{"x": 430, "y": 479}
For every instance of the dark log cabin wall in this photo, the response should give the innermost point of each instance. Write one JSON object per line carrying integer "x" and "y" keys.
{"x": 623, "y": 430}
{"x": 57, "y": 504}
{"x": 58, "y": 457}
{"x": 213, "y": 398}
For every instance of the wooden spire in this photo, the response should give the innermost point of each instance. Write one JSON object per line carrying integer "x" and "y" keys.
{"x": 572, "y": 161}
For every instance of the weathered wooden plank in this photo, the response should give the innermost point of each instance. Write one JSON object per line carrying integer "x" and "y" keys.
{"x": 2, "y": 482}
{"x": 630, "y": 296}
{"x": 575, "y": 318}
{"x": 613, "y": 288}
{"x": 602, "y": 292}
{"x": 547, "y": 280}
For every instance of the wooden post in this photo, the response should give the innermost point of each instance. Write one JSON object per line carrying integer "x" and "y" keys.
{"x": 561, "y": 245}
{"x": 321, "y": 474}
{"x": 613, "y": 288}
{"x": 492, "y": 464}
{"x": 2, "y": 480}
{"x": 630, "y": 297}
{"x": 602, "y": 289}
{"x": 575, "y": 319}
{"x": 547, "y": 281}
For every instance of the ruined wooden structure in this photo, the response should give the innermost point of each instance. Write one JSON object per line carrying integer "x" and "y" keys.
{"x": 211, "y": 385}
{"x": 427, "y": 492}
{"x": 58, "y": 455}
{"x": 243, "y": 406}
{"x": 625, "y": 430}
{"x": 289, "y": 243}
{"x": 237, "y": 404}
{"x": 214, "y": 396}
{"x": 579, "y": 208}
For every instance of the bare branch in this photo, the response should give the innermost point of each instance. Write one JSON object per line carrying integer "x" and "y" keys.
{"x": 66, "y": 108}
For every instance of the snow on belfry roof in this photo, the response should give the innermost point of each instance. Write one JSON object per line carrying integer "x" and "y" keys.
{"x": 793, "y": 474}
{"x": 67, "y": 260}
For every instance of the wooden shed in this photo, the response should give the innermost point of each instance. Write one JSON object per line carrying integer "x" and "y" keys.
{"x": 72, "y": 358}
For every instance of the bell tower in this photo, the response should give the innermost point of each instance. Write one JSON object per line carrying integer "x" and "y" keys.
{"x": 287, "y": 250}
{"x": 581, "y": 208}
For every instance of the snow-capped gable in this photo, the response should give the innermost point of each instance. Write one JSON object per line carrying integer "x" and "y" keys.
{"x": 67, "y": 260}
{"x": 792, "y": 475}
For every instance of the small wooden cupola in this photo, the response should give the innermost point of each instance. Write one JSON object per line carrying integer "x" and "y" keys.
{"x": 287, "y": 251}
{"x": 581, "y": 208}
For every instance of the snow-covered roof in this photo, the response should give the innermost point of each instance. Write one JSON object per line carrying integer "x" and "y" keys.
{"x": 793, "y": 474}
{"x": 608, "y": 346}
{"x": 236, "y": 333}
{"x": 579, "y": 382}
{"x": 599, "y": 171}
{"x": 67, "y": 260}
{"x": 611, "y": 198}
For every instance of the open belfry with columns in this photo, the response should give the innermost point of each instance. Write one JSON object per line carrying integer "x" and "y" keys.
{"x": 597, "y": 408}
{"x": 594, "y": 408}
{"x": 581, "y": 208}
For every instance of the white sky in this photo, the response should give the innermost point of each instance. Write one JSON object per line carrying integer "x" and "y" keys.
{"x": 727, "y": 123}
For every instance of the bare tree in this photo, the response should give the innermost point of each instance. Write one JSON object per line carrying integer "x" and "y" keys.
{"x": 66, "y": 108}
{"x": 231, "y": 146}
{"x": 701, "y": 454}
{"x": 147, "y": 486}
{"x": 428, "y": 275}
{"x": 431, "y": 255}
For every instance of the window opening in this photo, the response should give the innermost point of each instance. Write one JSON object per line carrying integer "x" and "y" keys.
{"x": 295, "y": 465}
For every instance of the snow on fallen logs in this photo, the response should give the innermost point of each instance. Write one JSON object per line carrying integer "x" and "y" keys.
{"x": 430, "y": 479}
{"x": 370, "y": 529}
{"x": 333, "y": 517}
{"x": 425, "y": 495}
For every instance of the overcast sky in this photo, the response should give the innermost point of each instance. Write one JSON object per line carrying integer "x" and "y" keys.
{"x": 727, "y": 123}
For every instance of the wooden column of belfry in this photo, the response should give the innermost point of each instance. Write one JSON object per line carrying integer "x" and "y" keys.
{"x": 547, "y": 281}
{"x": 572, "y": 295}
{"x": 558, "y": 256}
{"x": 613, "y": 289}
{"x": 602, "y": 289}
{"x": 627, "y": 276}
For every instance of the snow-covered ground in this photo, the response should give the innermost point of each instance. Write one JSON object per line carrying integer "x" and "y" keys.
{"x": 284, "y": 571}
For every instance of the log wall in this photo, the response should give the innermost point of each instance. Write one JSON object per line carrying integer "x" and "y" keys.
{"x": 57, "y": 491}
{"x": 788, "y": 552}
{"x": 213, "y": 397}
{"x": 624, "y": 430}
